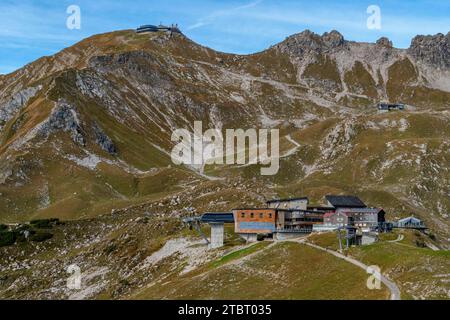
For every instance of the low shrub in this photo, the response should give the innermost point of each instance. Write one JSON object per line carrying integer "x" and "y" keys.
{"x": 261, "y": 237}
{"x": 24, "y": 227}
{"x": 3, "y": 227}
{"x": 110, "y": 248}
{"x": 420, "y": 243}
{"x": 23, "y": 235}
{"x": 44, "y": 223}
{"x": 41, "y": 236}
{"x": 7, "y": 238}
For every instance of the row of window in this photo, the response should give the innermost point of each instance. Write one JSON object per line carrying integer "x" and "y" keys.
{"x": 361, "y": 225}
{"x": 305, "y": 219}
{"x": 342, "y": 219}
{"x": 252, "y": 215}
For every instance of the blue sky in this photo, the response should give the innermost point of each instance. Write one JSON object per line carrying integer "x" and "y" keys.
{"x": 30, "y": 29}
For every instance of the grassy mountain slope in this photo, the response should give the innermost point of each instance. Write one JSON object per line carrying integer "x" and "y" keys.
{"x": 404, "y": 257}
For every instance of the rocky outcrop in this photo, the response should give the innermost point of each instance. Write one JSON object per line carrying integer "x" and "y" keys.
{"x": 141, "y": 64}
{"x": 433, "y": 50}
{"x": 338, "y": 142}
{"x": 385, "y": 42}
{"x": 103, "y": 140}
{"x": 65, "y": 118}
{"x": 127, "y": 60}
{"x": 307, "y": 42}
{"x": 333, "y": 39}
{"x": 11, "y": 108}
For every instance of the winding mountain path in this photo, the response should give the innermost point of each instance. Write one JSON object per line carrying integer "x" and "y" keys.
{"x": 400, "y": 238}
{"x": 393, "y": 288}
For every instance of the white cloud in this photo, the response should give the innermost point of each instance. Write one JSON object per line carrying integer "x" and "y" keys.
{"x": 221, "y": 13}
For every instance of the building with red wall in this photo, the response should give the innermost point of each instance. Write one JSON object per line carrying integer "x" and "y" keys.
{"x": 251, "y": 222}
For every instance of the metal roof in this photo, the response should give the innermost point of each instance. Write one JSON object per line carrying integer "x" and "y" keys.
{"x": 148, "y": 26}
{"x": 345, "y": 202}
{"x": 218, "y": 217}
{"x": 410, "y": 220}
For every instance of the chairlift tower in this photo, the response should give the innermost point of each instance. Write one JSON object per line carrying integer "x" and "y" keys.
{"x": 217, "y": 223}
{"x": 350, "y": 234}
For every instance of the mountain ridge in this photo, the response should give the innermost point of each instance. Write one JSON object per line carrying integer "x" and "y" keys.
{"x": 334, "y": 35}
{"x": 88, "y": 130}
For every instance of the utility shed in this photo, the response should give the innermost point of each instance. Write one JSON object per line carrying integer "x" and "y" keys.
{"x": 345, "y": 202}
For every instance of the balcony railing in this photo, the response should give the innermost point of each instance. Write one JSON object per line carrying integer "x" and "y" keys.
{"x": 300, "y": 231}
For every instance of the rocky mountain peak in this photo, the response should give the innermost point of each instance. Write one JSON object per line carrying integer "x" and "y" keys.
{"x": 432, "y": 49}
{"x": 333, "y": 39}
{"x": 308, "y": 41}
{"x": 385, "y": 42}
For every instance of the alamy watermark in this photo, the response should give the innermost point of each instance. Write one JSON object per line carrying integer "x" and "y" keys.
{"x": 74, "y": 280}
{"x": 73, "y": 22}
{"x": 374, "y": 281}
{"x": 240, "y": 147}
{"x": 374, "y": 20}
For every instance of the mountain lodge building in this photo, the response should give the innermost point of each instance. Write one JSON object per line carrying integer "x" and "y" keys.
{"x": 290, "y": 218}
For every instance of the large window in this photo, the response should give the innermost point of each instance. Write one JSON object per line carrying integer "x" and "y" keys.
{"x": 252, "y": 215}
{"x": 261, "y": 215}
{"x": 243, "y": 215}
